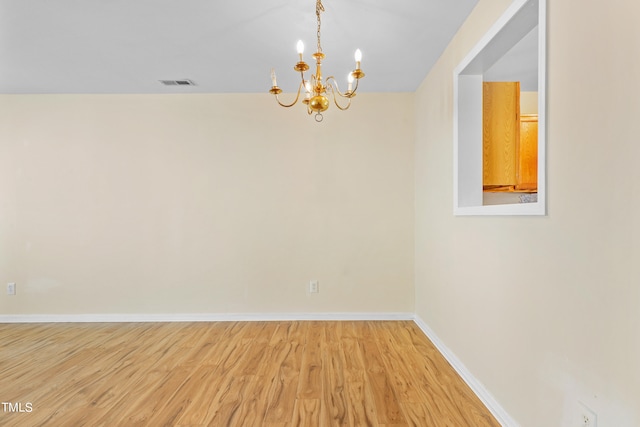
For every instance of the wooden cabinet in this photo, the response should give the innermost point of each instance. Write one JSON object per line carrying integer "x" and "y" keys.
{"x": 509, "y": 140}
{"x": 527, "y": 176}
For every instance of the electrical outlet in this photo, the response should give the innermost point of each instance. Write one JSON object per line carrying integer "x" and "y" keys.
{"x": 11, "y": 288}
{"x": 314, "y": 287}
{"x": 586, "y": 417}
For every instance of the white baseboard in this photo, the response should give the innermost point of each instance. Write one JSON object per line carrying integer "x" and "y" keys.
{"x": 478, "y": 388}
{"x": 197, "y": 317}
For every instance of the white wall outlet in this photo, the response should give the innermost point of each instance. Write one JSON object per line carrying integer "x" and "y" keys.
{"x": 585, "y": 417}
{"x": 314, "y": 287}
{"x": 11, "y": 288}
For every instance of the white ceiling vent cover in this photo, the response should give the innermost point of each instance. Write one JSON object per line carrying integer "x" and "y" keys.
{"x": 183, "y": 82}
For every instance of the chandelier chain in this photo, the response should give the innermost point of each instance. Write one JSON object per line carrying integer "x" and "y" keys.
{"x": 319, "y": 10}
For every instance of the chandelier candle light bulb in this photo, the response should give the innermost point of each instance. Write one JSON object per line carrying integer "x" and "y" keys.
{"x": 318, "y": 89}
{"x": 307, "y": 88}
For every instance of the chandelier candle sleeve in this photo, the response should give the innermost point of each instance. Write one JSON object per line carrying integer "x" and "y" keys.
{"x": 307, "y": 87}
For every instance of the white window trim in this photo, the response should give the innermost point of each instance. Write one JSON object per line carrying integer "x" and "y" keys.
{"x": 467, "y": 111}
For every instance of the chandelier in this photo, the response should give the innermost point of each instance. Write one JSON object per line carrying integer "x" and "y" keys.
{"x": 317, "y": 90}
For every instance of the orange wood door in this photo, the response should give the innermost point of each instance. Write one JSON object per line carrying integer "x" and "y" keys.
{"x": 500, "y": 133}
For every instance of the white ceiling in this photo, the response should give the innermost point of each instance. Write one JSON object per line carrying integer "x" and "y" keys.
{"x": 518, "y": 64}
{"x": 127, "y": 46}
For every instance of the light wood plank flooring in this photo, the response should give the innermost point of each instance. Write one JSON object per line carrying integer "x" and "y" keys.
{"x": 230, "y": 374}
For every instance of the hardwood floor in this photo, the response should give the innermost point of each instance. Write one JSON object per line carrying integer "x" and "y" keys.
{"x": 230, "y": 374}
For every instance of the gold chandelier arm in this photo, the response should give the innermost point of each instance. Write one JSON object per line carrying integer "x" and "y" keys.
{"x": 335, "y": 98}
{"x": 335, "y": 89}
{"x": 335, "y": 101}
{"x": 353, "y": 92}
{"x": 294, "y": 102}
{"x": 348, "y": 94}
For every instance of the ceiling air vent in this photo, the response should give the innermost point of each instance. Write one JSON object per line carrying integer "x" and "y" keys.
{"x": 183, "y": 82}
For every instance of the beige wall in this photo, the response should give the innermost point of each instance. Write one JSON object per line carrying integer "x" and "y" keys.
{"x": 204, "y": 204}
{"x": 545, "y": 311}
{"x": 528, "y": 102}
